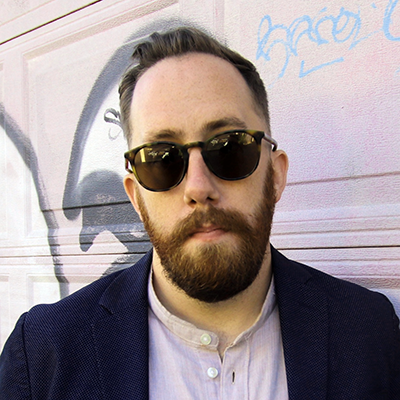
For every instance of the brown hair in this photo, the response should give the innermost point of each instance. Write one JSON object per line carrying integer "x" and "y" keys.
{"x": 178, "y": 42}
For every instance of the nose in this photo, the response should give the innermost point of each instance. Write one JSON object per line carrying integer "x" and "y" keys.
{"x": 199, "y": 183}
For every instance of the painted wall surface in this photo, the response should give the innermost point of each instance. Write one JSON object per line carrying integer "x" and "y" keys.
{"x": 332, "y": 70}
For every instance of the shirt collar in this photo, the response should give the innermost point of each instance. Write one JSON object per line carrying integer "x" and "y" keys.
{"x": 191, "y": 334}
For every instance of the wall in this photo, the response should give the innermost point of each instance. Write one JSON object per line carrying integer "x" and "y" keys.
{"x": 332, "y": 69}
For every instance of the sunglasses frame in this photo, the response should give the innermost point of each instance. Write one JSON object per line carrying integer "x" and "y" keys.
{"x": 183, "y": 149}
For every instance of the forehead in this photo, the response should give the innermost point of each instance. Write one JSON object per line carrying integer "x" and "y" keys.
{"x": 183, "y": 94}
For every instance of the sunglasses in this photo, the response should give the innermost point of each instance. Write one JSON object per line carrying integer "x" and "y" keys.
{"x": 230, "y": 155}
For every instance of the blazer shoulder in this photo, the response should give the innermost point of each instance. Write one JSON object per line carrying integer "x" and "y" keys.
{"x": 340, "y": 329}
{"x": 100, "y": 298}
{"x": 339, "y": 292}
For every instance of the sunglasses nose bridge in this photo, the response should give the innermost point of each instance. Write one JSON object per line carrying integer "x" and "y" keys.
{"x": 185, "y": 149}
{"x": 191, "y": 145}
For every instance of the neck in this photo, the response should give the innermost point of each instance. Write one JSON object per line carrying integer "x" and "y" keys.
{"x": 227, "y": 318}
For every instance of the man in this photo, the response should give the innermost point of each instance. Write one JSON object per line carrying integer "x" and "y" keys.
{"x": 213, "y": 311}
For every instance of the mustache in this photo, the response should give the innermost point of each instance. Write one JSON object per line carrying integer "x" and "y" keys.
{"x": 227, "y": 220}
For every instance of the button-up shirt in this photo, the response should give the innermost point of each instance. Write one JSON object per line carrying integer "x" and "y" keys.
{"x": 184, "y": 362}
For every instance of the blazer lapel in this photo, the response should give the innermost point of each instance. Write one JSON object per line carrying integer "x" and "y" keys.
{"x": 304, "y": 319}
{"x": 121, "y": 335}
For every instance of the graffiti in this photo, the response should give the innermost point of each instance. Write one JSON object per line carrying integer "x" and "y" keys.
{"x": 388, "y": 21}
{"x": 28, "y": 155}
{"x": 322, "y": 30}
{"x": 92, "y": 188}
{"x": 113, "y": 119}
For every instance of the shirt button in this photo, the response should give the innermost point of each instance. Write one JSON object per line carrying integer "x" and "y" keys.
{"x": 212, "y": 372}
{"x": 205, "y": 339}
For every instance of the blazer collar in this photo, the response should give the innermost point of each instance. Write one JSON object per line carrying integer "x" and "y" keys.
{"x": 303, "y": 310}
{"x": 121, "y": 335}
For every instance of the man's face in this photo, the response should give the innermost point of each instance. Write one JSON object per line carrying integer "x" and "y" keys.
{"x": 209, "y": 235}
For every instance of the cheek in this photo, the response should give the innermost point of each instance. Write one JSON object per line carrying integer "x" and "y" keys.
{"x": 244, "y": 196}
{"x": 253, "y": 186}
{"x": 161, "y": 211}
{"x": 249, "y": 194}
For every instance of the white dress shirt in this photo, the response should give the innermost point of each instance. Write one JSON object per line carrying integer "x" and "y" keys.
{"x": 184, "y": 362}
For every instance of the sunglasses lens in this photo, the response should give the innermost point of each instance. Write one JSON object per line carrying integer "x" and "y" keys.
{"x": 232, "y": 156}
{"x": 159, "y": 167}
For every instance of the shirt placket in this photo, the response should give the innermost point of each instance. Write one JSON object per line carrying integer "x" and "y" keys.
{"x": 210, "y": 365}
{"x": 235, "y": 373}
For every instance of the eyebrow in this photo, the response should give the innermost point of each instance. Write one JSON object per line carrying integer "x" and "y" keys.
{"x": 207, "y": 128}
{"x": 233, "y": 122}
{"x": 164, "y": 134}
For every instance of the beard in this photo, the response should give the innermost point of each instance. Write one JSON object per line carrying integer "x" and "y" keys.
{"x": 213, "y": 272}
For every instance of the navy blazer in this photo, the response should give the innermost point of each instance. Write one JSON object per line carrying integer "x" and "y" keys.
{"x": 341, "y": 341}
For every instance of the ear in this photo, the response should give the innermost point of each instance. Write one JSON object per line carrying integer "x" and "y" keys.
{"x": 130, "y": 186}
{"x": 280, "y": 163}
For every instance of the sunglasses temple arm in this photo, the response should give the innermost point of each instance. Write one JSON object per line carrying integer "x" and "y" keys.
{"x": 127, "y": 166}
{"x": 272, "y": 141}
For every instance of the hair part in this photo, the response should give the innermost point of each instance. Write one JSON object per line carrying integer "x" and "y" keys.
{"x": 178, "y": 42}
